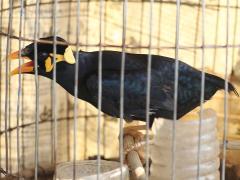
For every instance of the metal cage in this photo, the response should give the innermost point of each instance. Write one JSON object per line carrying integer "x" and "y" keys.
{"x": 41, "y": 125}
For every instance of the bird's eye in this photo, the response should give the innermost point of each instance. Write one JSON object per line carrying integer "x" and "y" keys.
{"x": 25, "y": 51}
{"x": 44, "y": 54}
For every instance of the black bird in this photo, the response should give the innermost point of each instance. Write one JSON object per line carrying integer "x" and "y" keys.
{"x": 135, "y": 83}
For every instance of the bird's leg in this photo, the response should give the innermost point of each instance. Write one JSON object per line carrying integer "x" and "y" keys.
{"x": 134, "y": 131}
{"x": 137, "y": 132}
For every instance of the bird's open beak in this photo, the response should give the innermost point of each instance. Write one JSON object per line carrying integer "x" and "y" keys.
{"x": 25, "y": 68}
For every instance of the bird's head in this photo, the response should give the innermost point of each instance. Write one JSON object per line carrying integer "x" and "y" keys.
{"x": 45, "y": 56}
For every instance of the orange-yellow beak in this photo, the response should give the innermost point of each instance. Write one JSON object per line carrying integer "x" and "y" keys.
{"x": 25, "y": 68}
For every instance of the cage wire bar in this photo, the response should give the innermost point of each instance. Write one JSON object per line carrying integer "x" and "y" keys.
{"x": 148, "y": 93}
{"x": 36, "y": 33}
{"x": 21, "y": 18}
{"x": 67, "y": 98}
{"x": 76, "y": 90}
{"x": 1, "y": 69}
{"x": 186, "y": 3}
{"x": 23, "y": 80}
{"x": 99, "y": 90}
{"x": 124, "y": 25}
{"x": 54, "y": 92}
{"x": 1, "y": 80}
{"x": 178, "y": 3}
{"x": 101, "y": 45}
{"x": 7, "y": 85}
{"x": 1, "y": 14}
{"x": 225, "y": 130}
{"x": 85, "y": 103}
{"x": 202, "y": 90}
{"x": 9, "y": 111}
{"x": 52, "y": 100}
{"x": 184, "y": 47}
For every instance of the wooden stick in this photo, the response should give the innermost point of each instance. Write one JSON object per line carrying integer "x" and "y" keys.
{"x": 133, "y": 159}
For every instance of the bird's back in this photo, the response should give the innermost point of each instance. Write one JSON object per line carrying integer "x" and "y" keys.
{"x": 135, "y": 83}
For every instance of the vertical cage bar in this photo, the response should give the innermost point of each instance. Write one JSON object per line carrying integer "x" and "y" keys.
{"x": 1, "y": 16}
{"x": 104, "y": 134}
{"x": 23, "y": 92}
{"x": 225, "y": 130}
{"x": 202, "y": 89}
{"x": 178, "y": 3}
{"x": 148, "y": 93}
{"x": 10, "y": 157}
{"x": 125, "y": 2}
{"x": 7, "y": 84}
{"x": 53, "y": 92}
{"x": 85, "y": 103}
{"x": 36, "y": 31}
{"x": 19, "y": 85}
{"x": 52, "y": 101}
{"x": 76, "y": 90}
{"x": 99, "y": 89}
{"x": 68, "y": 108}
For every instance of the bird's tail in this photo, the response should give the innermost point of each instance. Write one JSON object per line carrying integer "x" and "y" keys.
{"x": 220, "y": 83}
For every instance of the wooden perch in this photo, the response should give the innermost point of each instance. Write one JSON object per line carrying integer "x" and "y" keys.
{"x": 133, "y": 159}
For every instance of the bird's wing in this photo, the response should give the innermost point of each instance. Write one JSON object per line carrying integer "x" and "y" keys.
{"x": 110, "y": 91}
{"x": 189, "y": 86}
{"x": 162, "y": 84}
{"x": 135, "y": 86}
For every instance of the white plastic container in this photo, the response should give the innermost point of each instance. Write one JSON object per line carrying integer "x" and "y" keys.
{"x": 87, "y": 170}
{"x": 186, "y": 149}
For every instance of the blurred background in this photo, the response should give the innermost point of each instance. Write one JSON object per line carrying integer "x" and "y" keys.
{"x": 137, "y": 41}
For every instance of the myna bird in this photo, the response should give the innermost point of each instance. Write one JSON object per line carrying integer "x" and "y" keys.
{"x": 135, "y": 83}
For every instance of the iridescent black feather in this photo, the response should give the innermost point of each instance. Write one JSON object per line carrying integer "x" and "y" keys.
{"x": 162, "y": 83}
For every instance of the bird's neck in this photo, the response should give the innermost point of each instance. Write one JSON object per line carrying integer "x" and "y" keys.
{"x": 67, "y": 76}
